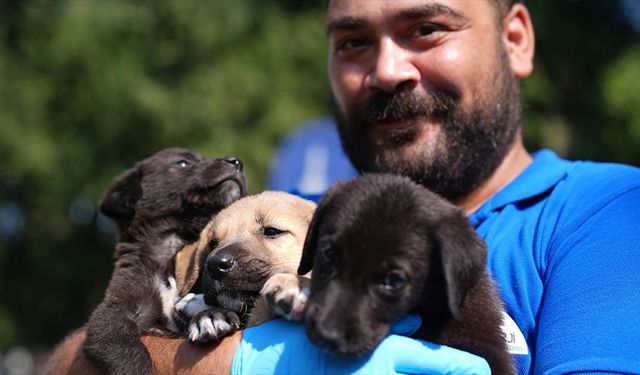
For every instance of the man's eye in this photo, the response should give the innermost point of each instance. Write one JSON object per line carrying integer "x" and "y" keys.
{"x": 182, "y": 163}
{"x": 351, "y": 44}
{"x": 272, "y": 232}
{"x": 425, "y": 30}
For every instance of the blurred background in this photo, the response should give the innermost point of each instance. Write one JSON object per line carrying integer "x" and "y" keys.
{"x": 88, "y": 87}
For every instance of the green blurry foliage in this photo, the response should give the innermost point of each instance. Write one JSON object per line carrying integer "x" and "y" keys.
{"x": 579, "y": 49}
{"x": 622, "y": 98}
{"x": 88, "y": 87}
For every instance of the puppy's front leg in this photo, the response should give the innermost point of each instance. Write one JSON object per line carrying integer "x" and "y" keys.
{"x": 186, "y": 308}
{"x": 284, "y": 295}
{"x": 205, "y": 322}
{"x": 213, "y": 324}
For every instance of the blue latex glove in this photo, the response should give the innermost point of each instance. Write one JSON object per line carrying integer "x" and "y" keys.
{"x": 281, "y": 347}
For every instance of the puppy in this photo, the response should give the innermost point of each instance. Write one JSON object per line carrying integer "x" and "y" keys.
{"x": 246, "y": 249}
{"x": 159, "y": 206}
{"x": 382, "y": 247}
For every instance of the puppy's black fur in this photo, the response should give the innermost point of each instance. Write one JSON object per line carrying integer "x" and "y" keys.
{"x": 381, "y": 247}
{"x": 159, "y": 205}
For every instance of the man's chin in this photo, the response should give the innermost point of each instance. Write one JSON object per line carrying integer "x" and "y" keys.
{"x": 405, "y": 137}
{"x": 404, "y": 158}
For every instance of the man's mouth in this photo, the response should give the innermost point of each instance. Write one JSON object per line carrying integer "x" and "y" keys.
{"x": 401, "y": 123}
{"x": 400, "y": 131}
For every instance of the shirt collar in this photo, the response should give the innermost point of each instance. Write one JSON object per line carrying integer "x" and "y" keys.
{"x": 545, "y": 171}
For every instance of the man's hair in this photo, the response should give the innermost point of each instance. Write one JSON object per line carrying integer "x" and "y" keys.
{"x": 502, "y": 8}
{"x": 502, "y": 5}
{"x": 505, "y": 5}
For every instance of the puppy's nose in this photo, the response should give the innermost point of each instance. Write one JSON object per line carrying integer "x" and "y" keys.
{"x": 326, "y": 336}
{"x": 235, "y": 162}
{"x": 330, "y": 337}
{"x": 220, "y": 264}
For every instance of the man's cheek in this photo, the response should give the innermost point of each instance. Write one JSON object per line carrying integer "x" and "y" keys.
{"x": 348, "y": 86}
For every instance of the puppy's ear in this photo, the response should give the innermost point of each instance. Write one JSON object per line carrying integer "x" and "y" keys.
{"x": 311, "y": 240}
{"x": 190, "y": 259}
{"x": 460, "y": 258}
{"x": 119, "y": 202}
{"x": 187, "y": 268}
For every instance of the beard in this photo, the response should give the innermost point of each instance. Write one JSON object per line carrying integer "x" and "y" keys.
{"x": 464, "y": 150}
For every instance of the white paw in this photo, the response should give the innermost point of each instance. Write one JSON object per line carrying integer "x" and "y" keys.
{"x": 212, "y": 325}
{"x": 191, "y": 305}
{"x": 286, "y": 294}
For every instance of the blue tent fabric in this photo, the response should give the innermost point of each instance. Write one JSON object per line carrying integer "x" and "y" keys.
{"x": 310, "y": 160}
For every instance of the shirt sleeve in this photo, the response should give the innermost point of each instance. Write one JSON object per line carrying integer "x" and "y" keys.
{"x": 589, "y": 319}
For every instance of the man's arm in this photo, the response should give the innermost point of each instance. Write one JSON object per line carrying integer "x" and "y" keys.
{"x": 282, "y": 347}
{"x": 589, "y": 318}
{"x": 169, "y": 356}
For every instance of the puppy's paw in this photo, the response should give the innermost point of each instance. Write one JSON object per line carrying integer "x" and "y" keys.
{"x": 185, "y": 309}
{"x": 286, "y": 295}
{"x": 212, "y": 324}
{"x": 191, "y": 305}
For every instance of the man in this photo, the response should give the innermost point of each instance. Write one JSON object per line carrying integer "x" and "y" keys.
{"x": 430, "y": 89}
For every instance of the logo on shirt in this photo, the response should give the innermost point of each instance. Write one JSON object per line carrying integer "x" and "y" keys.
{"x": 516, "y": 343}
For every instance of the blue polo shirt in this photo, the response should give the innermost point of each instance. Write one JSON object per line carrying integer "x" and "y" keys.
{"x": 564, "y": 247}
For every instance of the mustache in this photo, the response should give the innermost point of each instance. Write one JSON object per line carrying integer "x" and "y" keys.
{"x": 403, "y": 104}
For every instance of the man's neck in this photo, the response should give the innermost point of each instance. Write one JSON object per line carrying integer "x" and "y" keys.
{"x": 516, "y": 160}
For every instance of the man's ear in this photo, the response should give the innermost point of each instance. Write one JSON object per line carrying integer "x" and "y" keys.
{"x": 519, "y": 39}
{"x": 119, "y": 202}
{"x": 459, "y": 258}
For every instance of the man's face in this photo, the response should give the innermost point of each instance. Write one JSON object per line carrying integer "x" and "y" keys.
{"x": 423, "y": 88}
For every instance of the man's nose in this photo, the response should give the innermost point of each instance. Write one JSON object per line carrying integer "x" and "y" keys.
{"x": 394, "y": 67}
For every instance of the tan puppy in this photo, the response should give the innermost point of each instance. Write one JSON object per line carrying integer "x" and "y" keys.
{"x": 247, "y": 248}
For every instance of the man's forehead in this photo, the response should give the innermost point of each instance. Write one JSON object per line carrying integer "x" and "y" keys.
{"x": 354, "y": 13}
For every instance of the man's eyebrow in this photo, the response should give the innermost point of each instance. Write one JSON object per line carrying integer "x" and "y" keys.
{"x": 345, "y": 23}
{"x": 427, "y": 10}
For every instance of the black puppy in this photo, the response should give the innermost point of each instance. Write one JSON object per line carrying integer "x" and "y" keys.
{"x": 381, "y": 247}
{"x": 159, "y": 205}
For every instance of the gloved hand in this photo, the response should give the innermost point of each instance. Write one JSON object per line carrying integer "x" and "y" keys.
{"x": 281, "y": 347}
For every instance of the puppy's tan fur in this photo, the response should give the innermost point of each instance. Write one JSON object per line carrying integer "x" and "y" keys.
{"x": 242, "y": 225}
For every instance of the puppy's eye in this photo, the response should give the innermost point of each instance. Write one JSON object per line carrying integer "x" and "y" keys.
{"x": 328, "y": 254}
{"x": 182, "y": 163}
{"x": 324, "y": 272}
{"x": 393, "y": 280}
{"x": 272, "y": 232}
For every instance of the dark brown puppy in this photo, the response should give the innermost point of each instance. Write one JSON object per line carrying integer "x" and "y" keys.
{"x": 159, "y": 205}
{"x": 382, "y": 247}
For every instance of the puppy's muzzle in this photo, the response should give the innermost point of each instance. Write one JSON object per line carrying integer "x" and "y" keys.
{"x": 220, "y": 265}
{"x": 326, "y": 336}
{"x": 329, "y": 334}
